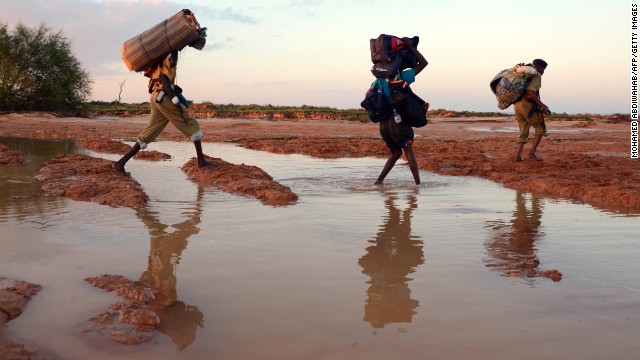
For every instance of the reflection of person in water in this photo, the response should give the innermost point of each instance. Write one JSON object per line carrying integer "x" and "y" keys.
{"x": 177, "y": 320}
{"x": 512, "y": 248}
{"x": 394, "y": 256}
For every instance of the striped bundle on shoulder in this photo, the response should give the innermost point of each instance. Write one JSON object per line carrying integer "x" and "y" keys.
{"x": 153, "y": 45}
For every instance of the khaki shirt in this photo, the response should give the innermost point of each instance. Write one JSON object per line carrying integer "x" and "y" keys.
{"x": 535, "y": 84}
{"x": 165, "y": 67}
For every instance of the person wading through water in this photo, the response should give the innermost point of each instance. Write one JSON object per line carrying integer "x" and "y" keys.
{"x": 398, "y": 135}
{"x": 165, "y": 108}
{"x": 530, "y": 112}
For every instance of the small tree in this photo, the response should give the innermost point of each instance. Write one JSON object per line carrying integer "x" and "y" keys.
{"x": 39, "y": 72}
{"x": 120, "y": 93}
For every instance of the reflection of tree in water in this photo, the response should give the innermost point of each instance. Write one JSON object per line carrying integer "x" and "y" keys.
{"x": 512, "y": 247}
{"x": 177, "y": 320}
{"x": 394, "y": 255}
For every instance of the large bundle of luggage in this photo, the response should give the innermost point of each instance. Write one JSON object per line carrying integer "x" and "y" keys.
{"x": 172, "y": 34}
{"x": 389, "y": 55}
{"x": 510, "y": 84}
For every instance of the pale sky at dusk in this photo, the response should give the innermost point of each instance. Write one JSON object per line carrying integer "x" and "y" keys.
{"x": 316, "y": 52}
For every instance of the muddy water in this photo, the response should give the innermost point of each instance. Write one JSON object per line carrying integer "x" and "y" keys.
{"x": 450, "y": 269}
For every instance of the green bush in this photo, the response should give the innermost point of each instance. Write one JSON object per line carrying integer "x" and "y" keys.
{"x": 38, "y": 72}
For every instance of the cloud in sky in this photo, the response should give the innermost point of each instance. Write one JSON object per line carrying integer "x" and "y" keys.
{"x": 97, "y": 29}
{"x": 307, "y": 2}
{"x": 234, "y": 15}
{"x": 294, "y": 52}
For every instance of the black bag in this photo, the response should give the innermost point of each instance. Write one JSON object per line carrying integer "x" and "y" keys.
{"x": 377, "y": 105}
{"x": 389, "y": 55}
{"x": 412, "y": 109}
{"x": 387, "y": 68}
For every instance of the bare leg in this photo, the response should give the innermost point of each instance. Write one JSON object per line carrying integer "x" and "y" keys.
{"x": 532, "y": 153}
{"x": 119, "y": 165}
{"x": 202, "y": 162}
{"x": 518, "y": 156}
{"x": 413, "y": 164}
{"x": 395, "y": 155}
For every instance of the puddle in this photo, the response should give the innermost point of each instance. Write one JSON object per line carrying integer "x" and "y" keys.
{"x": 352, "y": 271}
{"x": 21, "y": 195}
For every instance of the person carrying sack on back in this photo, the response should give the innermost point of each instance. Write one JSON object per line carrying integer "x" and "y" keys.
{"x": 530, "y": 112}
{"x": 398, "y": 135}
{"x": 166, "y": 107}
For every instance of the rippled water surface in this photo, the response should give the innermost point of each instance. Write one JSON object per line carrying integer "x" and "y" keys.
{"x": 447, "y": 270}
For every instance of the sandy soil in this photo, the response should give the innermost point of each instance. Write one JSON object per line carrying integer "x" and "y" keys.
{"x": 143, "y": 311}
{"x": 585, "y": 162}
{"x": 242, "y": 180}
{"x": 85, "y": 178}
{"x": 129, "y": 321}
{"x": 14, "y": 295}
{"x": 10, "y": 157}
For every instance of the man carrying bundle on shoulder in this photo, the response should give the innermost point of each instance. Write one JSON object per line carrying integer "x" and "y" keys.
{"x": 530, "y": 112}
{"x": 167, "y": 103}
{"x": 165, "y": 108}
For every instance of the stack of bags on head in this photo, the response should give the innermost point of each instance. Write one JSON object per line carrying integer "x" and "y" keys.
{"x": 390, "y": 56}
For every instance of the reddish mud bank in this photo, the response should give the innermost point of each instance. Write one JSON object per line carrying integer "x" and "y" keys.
{"x": 553, "y": 274}
{"x": 14, "y": 295}
{"x": 583, "y": 161}
{"x": 10, "y": 157}
{"x": 610, "y": 182}
{"x": 241, "y": 180}
{"x": 116, "y": 147}
{"x": 525, "y": 268}
{"x": 143, "y": 311}
{"x": 85, "y": 178}
{"x": 129, "y": 321}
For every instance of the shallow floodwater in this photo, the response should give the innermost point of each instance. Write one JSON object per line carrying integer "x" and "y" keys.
{"x": 446, "y": 270}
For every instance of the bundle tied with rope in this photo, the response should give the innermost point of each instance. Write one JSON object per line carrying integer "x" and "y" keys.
{"x": 172, "y": 34}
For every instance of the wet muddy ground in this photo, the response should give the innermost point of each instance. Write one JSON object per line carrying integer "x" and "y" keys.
{"x": 459, "y": 267}
{"x": 584, "y": 161}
